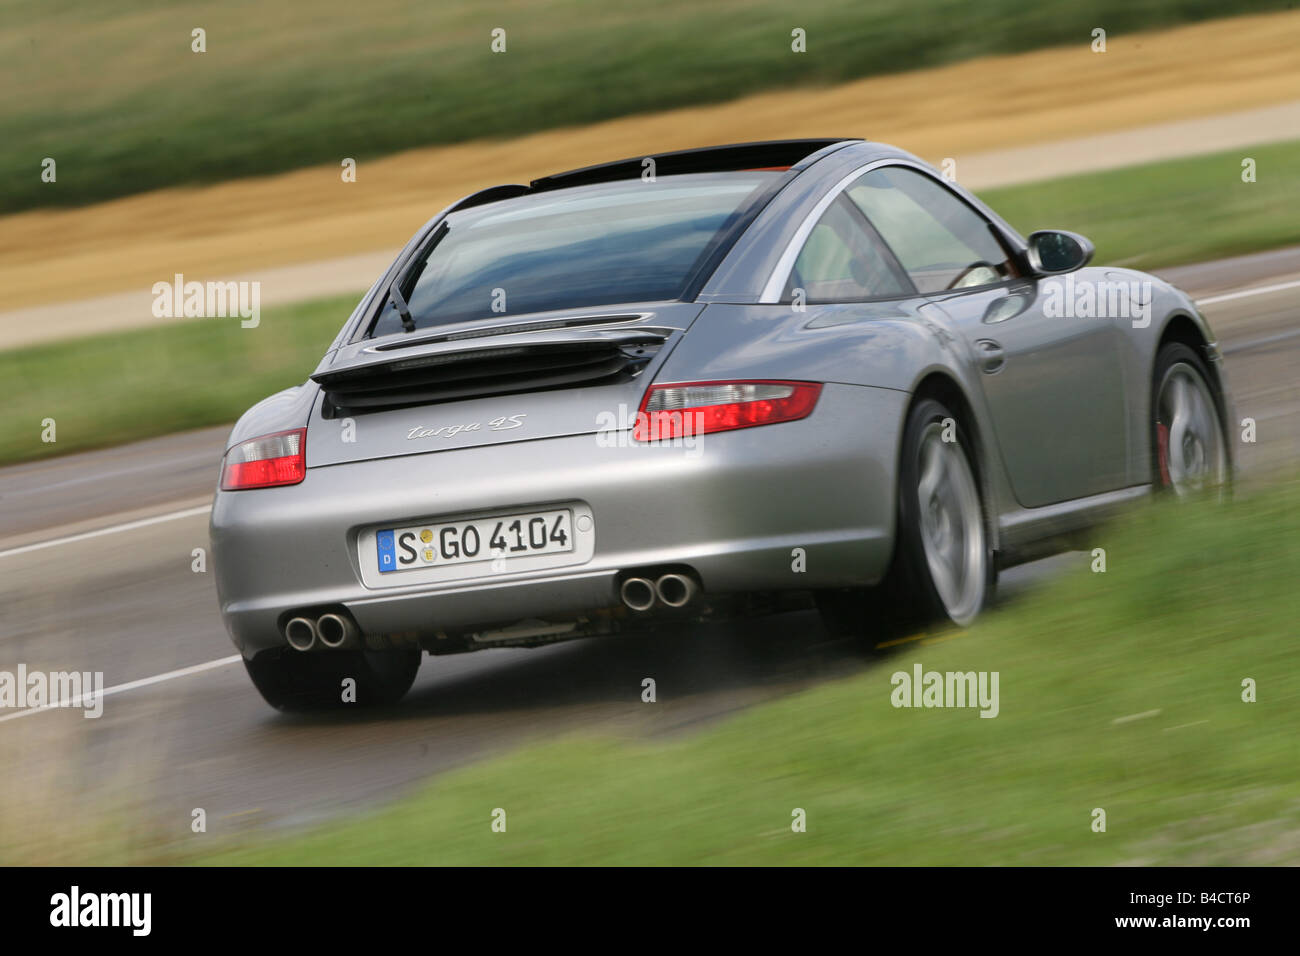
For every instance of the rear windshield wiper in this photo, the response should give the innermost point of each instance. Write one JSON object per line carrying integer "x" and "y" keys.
{"x": 412, "y": 271}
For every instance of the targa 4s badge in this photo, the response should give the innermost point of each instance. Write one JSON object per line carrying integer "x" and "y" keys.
{"x": 502, "y": 424}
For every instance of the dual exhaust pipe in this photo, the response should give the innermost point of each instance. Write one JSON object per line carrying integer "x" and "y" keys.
{"x": 334, "y": 631}
{"x": 331, "y": 630}
{"x": 670, "y": 590}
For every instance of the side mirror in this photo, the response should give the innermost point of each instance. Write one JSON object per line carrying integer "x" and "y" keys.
{"x": 1054, "y": 251}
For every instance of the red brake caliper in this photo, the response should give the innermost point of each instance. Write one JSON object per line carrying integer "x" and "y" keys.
{"x": 1162, "y": 451}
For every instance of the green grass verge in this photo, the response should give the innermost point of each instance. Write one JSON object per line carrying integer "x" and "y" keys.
{"x": 114, "y": 388}
{"x": 1195, "y": 599}
{"x": 1171, "y": 212}
{"x": 115, "y": 95}
{"x": 108, "y": 389}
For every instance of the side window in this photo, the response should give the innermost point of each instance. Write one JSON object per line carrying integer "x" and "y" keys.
{"x": 842, "y": 261}
{"x": 941, "y": 242}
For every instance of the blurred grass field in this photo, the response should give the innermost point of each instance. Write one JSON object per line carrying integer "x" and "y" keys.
{"x": 1121, "y": 691}
{"x": 116, "y": 96}
{"x": 108, "y": 389}
{"x": 119, "y": 387}
{"x": 1169, "y": 213}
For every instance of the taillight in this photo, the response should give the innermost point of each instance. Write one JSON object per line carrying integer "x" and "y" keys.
{"x": 278, "y": 459}
{"x": 692, "y": 408}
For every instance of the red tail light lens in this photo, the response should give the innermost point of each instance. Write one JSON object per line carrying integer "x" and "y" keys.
{"x": 279, "y": 459}
{"x": 692, "y": 408}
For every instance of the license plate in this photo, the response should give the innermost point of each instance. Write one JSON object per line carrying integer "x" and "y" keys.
{"x": 482, "y": 539}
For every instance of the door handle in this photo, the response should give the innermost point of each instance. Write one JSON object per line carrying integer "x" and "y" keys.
{"x": 991, "y": 356}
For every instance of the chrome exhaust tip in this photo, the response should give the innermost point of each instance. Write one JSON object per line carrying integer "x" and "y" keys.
{"x": 335, "y": 630}
{"x": 676, "y": 590}
{"x": 638, "y": 594}
{"x": 300, "y": 632}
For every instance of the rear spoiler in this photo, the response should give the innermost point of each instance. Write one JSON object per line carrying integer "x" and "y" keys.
{"x": 458, "y": 370}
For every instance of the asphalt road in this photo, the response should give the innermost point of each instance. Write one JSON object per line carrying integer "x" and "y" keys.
{"x": 95, "y": 574}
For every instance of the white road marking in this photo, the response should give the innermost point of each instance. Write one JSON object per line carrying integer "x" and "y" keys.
{"x": 111, "y": 529}
{"x": 1245, "y": 293}
{"x": 1251, "y": 344}
{"x": 129, "y": 685}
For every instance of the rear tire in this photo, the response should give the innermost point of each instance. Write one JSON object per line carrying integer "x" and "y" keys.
{"x": 942, "y": 567}
{"x": 295, "y": 681}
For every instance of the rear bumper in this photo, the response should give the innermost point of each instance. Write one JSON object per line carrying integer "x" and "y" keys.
{"x": 735, "y": 510}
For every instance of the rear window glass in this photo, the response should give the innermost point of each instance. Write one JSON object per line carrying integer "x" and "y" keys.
{"x": 630, "y": 241}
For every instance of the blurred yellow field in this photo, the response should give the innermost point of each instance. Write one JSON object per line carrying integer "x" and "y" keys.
{"x": 981, "y": 105}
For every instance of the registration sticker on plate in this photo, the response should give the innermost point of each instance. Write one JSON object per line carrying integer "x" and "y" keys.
{"x": 481, "y": 539}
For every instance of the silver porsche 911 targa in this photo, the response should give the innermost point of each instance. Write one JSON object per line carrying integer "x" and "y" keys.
{"x": 692, "y": 385}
